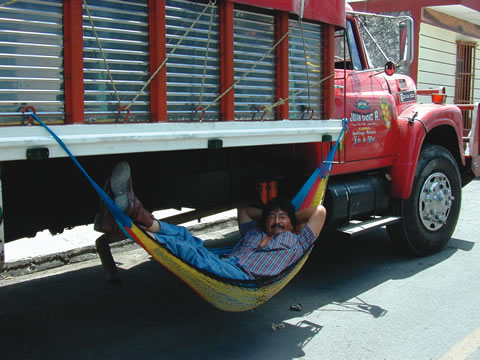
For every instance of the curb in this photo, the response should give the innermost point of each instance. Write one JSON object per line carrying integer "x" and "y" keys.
{"x": 219, "y": 229}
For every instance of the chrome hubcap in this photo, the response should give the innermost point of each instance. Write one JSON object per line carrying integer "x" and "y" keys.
{"x": 435, "y": 202}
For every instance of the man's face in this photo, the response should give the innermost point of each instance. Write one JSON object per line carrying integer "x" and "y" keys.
{"x": 277, "y": 222}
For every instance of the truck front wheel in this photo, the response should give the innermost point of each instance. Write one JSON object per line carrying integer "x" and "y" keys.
{"x": 431, "y": 212}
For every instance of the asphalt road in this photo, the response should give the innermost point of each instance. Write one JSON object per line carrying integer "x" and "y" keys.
{"x": 360, "y": 299}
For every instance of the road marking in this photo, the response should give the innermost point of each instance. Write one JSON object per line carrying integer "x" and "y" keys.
{"x": 464, "y": 348}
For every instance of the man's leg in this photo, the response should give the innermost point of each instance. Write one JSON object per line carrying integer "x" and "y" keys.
{"x": 124, "y": 197}
{"x": 176, "y": 238}
{"x": 191, "y": 250}
{"x": 119, "y": 188}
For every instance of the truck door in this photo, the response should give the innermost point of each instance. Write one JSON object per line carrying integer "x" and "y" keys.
{"x": 361, "y": 98}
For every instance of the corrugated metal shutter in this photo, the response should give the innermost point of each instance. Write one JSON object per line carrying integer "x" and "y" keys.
{"x": 313, "y": 37}
{"x": 185, "y": 67}
{"x": 31, "y": 62}
{"x": 122, "y": 27}
{"x": 254, "y": 35}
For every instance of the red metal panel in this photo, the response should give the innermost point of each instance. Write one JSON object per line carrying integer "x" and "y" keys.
{"x": 227, "y": 108}
{"x": 331, "y": 11}
{"x": 157, "y": 38}
{"x": 285, "y": 5}
{"x": 409, "y": 138}
{"x": 282, "y": 65}
{"x": 328, "y": 93}
{"x": 361, "y": 166}
{"x": 73, "y": 61}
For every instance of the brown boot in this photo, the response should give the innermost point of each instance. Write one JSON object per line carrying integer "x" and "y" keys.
{"x": 104, "y": 221}
{"x": 124, "y": 197}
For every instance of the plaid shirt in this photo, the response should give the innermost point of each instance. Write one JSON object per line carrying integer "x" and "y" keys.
{"x": 281, "y": 251}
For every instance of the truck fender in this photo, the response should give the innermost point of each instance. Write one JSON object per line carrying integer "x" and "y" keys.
{"x": 413, "y": 126}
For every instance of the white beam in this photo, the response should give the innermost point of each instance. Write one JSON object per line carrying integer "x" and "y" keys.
{"x": 99, "y": 139}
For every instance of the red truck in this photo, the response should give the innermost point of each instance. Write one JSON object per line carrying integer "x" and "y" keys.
{"x": 209, "y": 99}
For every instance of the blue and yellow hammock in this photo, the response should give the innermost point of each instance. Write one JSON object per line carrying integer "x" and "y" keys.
{"x": 223, "y": 293}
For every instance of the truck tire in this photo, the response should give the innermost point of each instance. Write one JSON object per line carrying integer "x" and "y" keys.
{"x": 431, "y": 212}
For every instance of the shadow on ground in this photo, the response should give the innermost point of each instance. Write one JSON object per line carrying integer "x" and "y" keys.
{"x": 152, "y": 314}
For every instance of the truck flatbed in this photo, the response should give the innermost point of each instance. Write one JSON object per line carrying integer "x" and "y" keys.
{"x": 92, "y": 139}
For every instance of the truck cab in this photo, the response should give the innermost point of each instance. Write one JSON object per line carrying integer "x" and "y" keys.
{"x": 407, "y": 158}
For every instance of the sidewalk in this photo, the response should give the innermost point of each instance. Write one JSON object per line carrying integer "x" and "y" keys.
{"x": 46, "y": 251}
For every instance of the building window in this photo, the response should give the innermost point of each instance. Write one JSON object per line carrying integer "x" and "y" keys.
{"x": 464, "y": 78}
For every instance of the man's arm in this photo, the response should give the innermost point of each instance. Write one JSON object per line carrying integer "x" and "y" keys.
{"x": 314, "y": 217}
{"x": 247, "y": 213}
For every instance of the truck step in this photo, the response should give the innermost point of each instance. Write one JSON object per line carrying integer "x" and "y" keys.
{"x": 355, "y": 228}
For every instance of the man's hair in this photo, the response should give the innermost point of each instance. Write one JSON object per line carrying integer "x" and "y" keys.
{"x": 278, "y": 204}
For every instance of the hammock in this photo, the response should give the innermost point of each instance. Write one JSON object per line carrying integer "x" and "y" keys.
{"x": 223, "y": 293}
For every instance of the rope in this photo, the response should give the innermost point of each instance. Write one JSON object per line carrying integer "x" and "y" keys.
{"x": 281, "y": 101}
{"x": 224, "y": 293}
{"x": 305, "y": 60}
{"x": 212, "y": 3}
{"x": 167, "y": 57}
{"x": 321, "y": 171}
{"x": 249, "y": 71}
{"x": 118, "y": 213}
{"x": 101, "y": 52}
{"x": 8, "y": 3}
{"x": 269, "y": 108}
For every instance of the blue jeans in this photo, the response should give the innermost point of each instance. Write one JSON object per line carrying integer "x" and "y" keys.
{"x": 191, "y": 250}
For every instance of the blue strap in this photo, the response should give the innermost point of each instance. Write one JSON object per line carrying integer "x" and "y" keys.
{"x": 322, "y": 170}
{"x": 125, "y": 220}
{"x": 116, "y": 211}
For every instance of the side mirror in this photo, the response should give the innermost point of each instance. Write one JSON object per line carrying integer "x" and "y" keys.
{"x": 390, "y": 68}
{"x": 406, "y": 41}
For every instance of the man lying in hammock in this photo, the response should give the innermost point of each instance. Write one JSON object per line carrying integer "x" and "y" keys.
{"x": 268, "y": 242}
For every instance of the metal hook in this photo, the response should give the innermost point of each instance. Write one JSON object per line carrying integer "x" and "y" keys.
{"x": 313, "y": 112}
{"x": 265, "y": 110}
{"x": 124, "y": 107}
{"x": 306, "y": 110}
{"x": 29, "y": 107}
{"x": 200, "y": 107}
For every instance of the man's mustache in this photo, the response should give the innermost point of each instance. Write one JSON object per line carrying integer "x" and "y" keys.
{"x": 280, "y": 226}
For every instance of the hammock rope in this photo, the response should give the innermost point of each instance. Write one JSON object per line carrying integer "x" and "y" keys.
{"x": 225, "y": 294}
{"x": 312, "y": 192}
